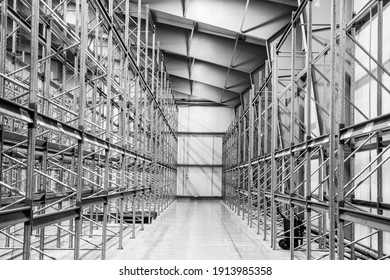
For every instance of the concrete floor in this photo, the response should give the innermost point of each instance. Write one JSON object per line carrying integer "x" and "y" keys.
{"x": 199, "y": 230}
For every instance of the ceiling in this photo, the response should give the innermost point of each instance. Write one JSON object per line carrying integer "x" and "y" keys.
{"x": 211, "y": 47}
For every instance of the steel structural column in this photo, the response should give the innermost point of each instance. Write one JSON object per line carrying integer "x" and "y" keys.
{"x": 274, "y": 144}
{"x": 125, "y": 98}
{"x": 1, "y": 158}
{"x": 332, "y": 132}
{"x": 144, "y": 104}
{"x": 292, "y": 135}
{"x": 83, "y": 19}
{"x": 244, "y": 158}
{"x": 239, "y": 161}
{"x": 3, "y": 51}
{"x": 44, "y": 191}
{"x": 108, "y": 129}
{"x": 351, "y": 120}
{"x": 30, "y": 182}
{"x": 266, "y": 149}
{"x": 46, "y": 94}
{"x": 259, "y": 153}
{"x": 309, "y": 85}
{"x": 3, "y": 46}
{"x": 137, "y": 96}
{"x": 379, "y": 113}
{"x": 155, "y": 123}
{"x": 250, "y": 154}
{"x": 341, "y": 102}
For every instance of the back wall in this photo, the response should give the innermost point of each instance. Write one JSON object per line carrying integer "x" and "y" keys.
{"x": 199, "y": 172}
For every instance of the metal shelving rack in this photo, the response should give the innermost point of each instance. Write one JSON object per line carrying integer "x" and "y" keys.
{"x": 286, "y": 164}
{"x": 88, "y": 126}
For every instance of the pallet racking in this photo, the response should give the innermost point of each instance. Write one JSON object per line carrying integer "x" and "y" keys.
{"x": 297, "y": 150}
{"x": 88, "y": 126}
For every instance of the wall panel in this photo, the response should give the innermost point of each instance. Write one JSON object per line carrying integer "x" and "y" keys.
{"x": 200, "y": 150}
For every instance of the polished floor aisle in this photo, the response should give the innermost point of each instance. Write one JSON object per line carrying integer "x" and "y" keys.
{"x": 199, "y": 230}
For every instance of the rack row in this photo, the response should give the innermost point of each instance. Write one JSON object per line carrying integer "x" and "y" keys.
{"x": 305, "y": 162}
{"x": 88, "y": 127}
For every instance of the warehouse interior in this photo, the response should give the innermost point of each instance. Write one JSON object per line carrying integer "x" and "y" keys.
{"x": 194, "y": 129}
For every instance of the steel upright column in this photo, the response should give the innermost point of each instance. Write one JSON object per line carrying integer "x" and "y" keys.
{"x": 83, "y": 19}
{"x": 159, "y": 168}
{"x": 341, "y": 101}
{"x": 351, "y": 116}
{"x": 266, "y": 152}
{"x": 332, "y": 133}
{"x": 292, "y": 134}
{"x": 152, "y": 165}
{"x": 46, "y": 93}
{"x": 43, "y": 190}
{"x": 274, "y": 140}
{"x": 244, "y": 157}
{"x": 231, "y": 165}
{"x": 47, "y": 79}
{"x": 138, "y": 90}
{"x": 239, "y": 161}
{"x": 259, "y": 153}
{"x": 250, "y": 155}
{"x": 144, "y": 105}
{"x": 155, "y": 122}
{"x": 30, "y": 180}
{"x": 3, "y": 46}
{"x": 161, "y": 141}
{"x": 146, "y": 70}
{"x": 125, "y": 98}
{"x": 1, "y": 156}
{"x": 108, "y": 129}
{"x": 121, "y": 200}
{"x": 3, "y": 54}
{"x": 379, "y": 135}
{"x": 309, "y": 85}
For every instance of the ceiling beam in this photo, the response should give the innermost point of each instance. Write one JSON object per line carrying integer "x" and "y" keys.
{"x": 185, "y": 7}
{"x": 197, "y": 103}
{"x": 291, "y": 3}
{"x": 196, "y": 100}
{"x": 169, "y": 53}
{"x": 262, "y": 24}
{"x": 192, "y": 82}
{"x": 184, "y": 84}
{"x": 191, "y": 67}
{"x": 231, "y": 61}
{"x": 230, "y": 99}
{"x": 185, "y": 23}
{"x": 244, "y": 16}
{"x": 202, "y": 46}
{"x": 185, "y": 99}
{"x": 189, "y": 44}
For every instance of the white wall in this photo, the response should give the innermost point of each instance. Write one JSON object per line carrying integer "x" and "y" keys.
{"x": 366, "y": 100}
{"x": 200, "y": 156}
{"x": 204, "y": 119}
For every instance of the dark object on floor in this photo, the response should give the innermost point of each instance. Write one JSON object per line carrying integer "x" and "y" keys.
{"x": 128, "y": 217}
{"x": 299, "y": 228}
